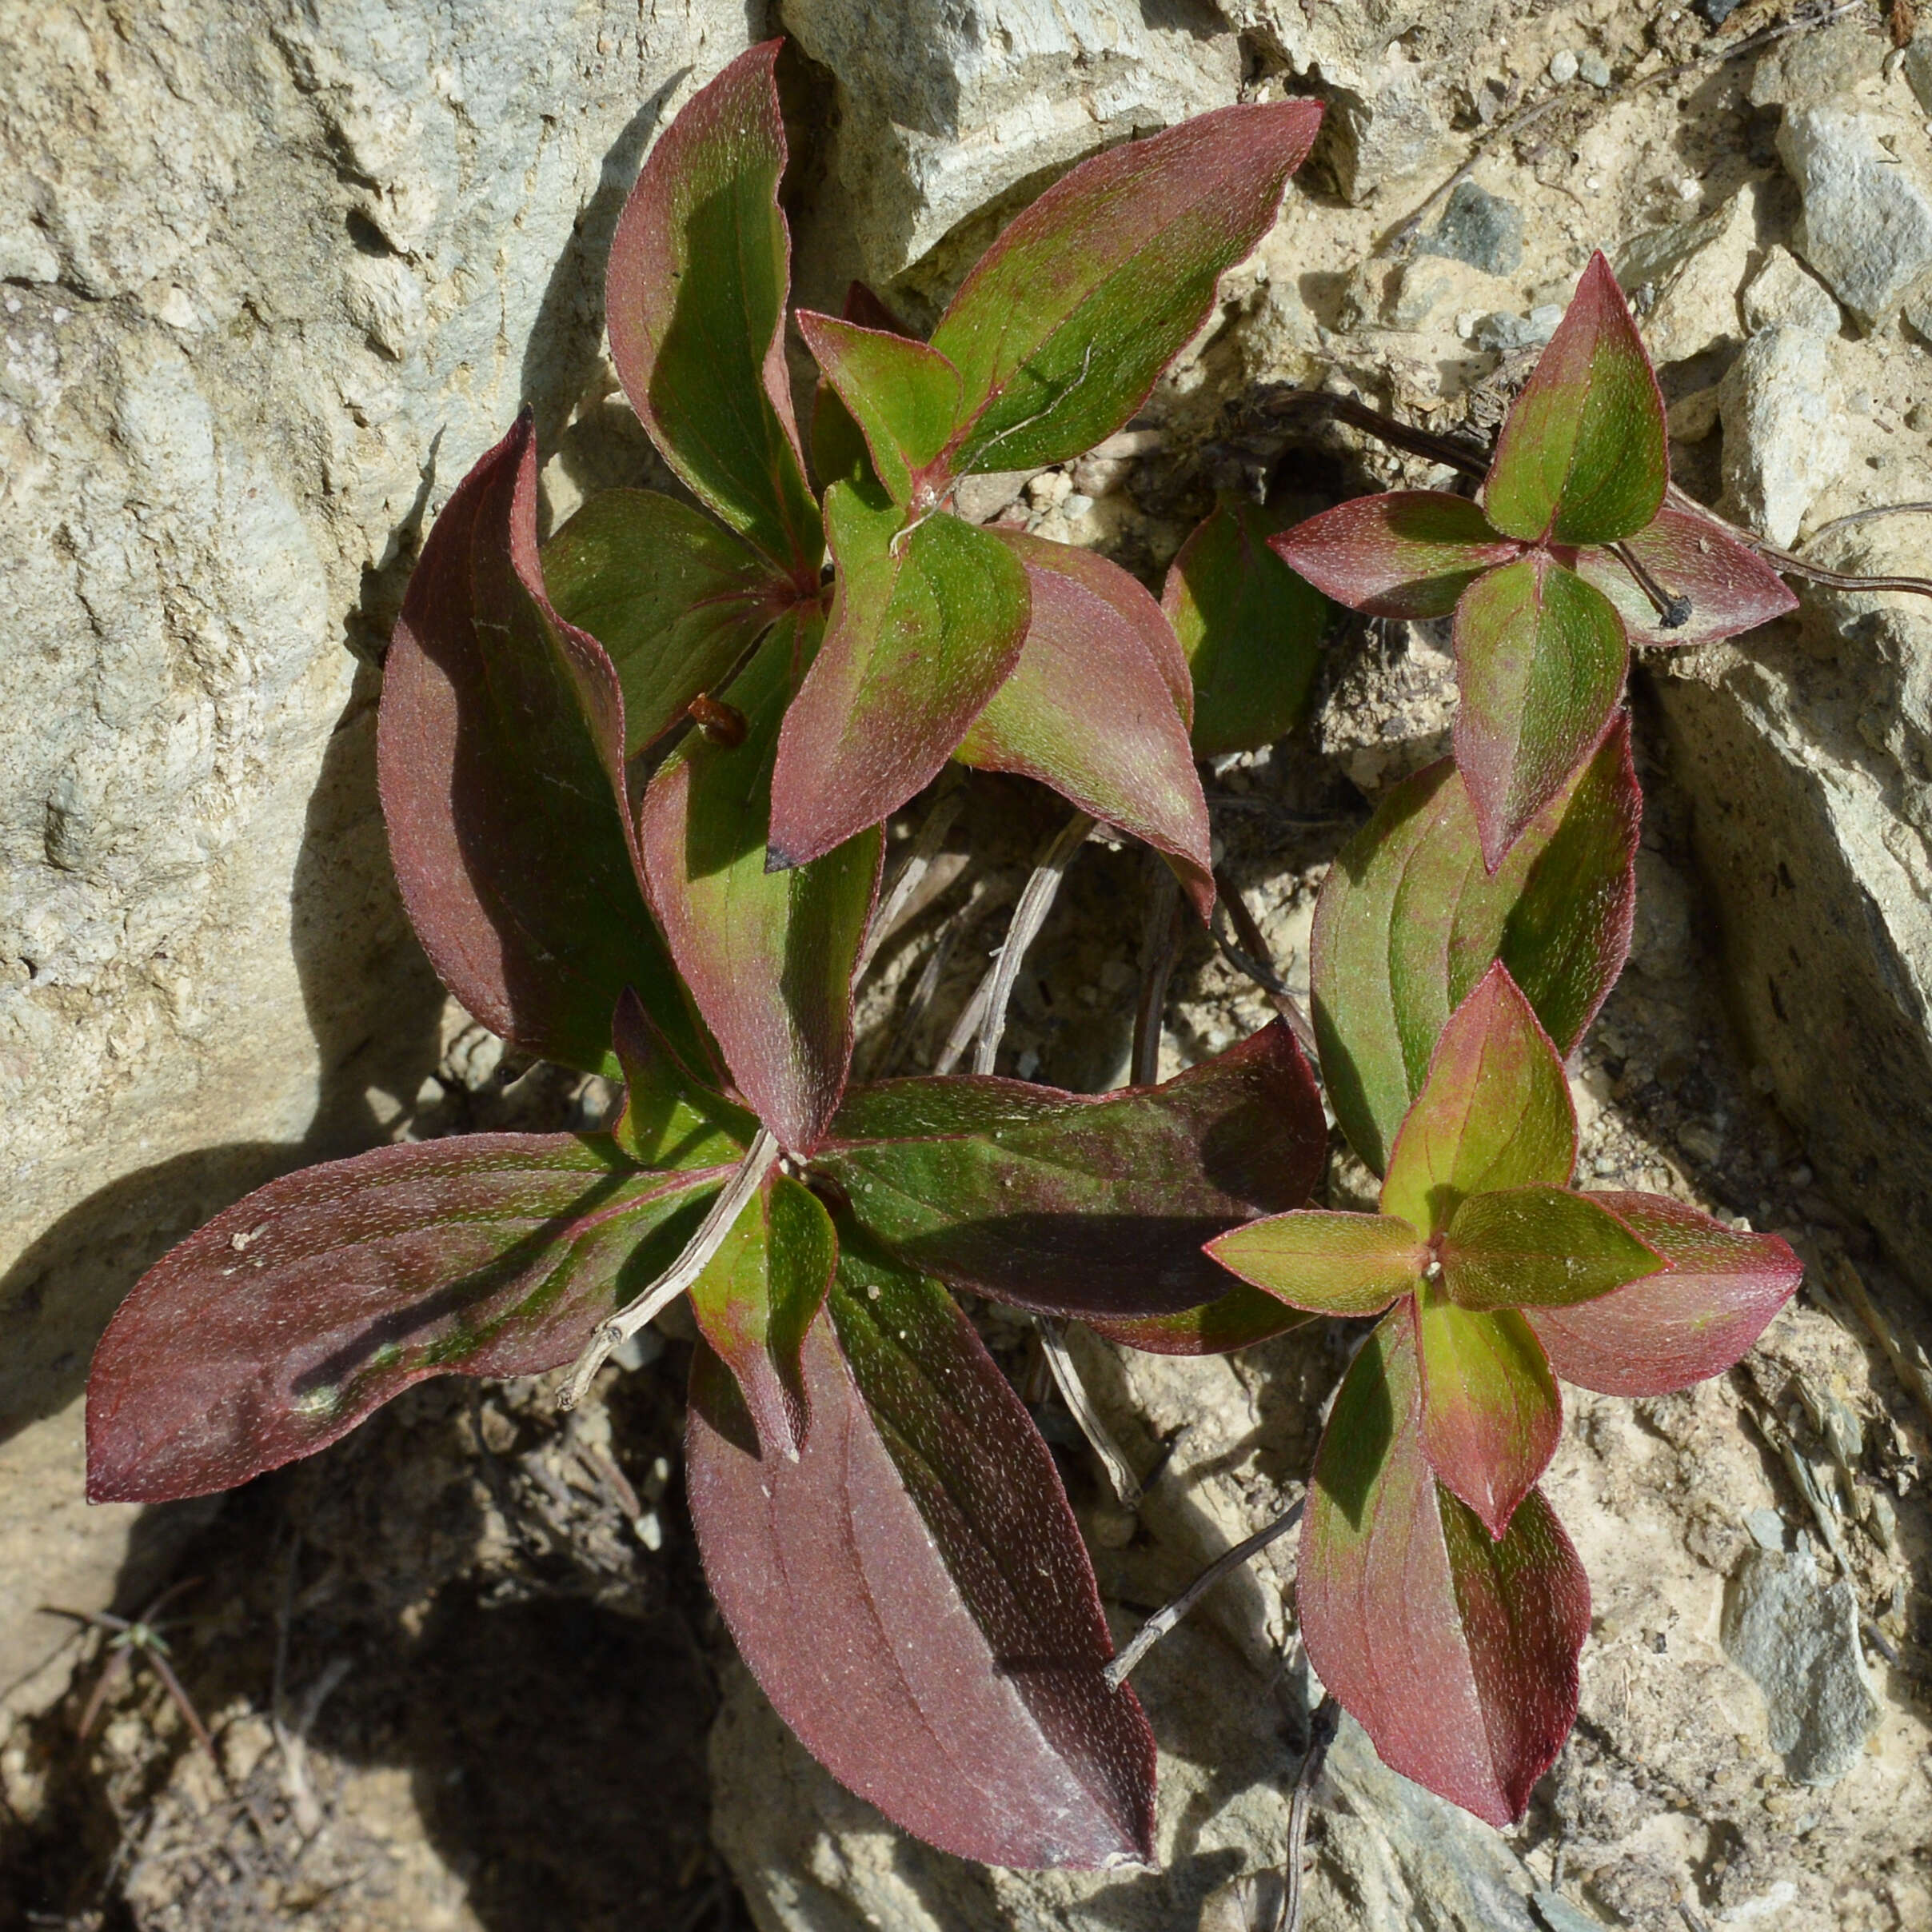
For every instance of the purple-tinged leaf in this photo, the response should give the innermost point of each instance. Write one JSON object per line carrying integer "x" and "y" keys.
{"x": 275, "y": 1328}
{"x": 671, "y": 1118}
{"x": 1495, "y": 1112}
{"x": 1238, "y": 1318}
{"x": 839, "y": 454}
{"x": 1456, "y": 1653}
{"x": 769, "y": 957}
{"x": 1731, "y": 589}
{"x": 1540, "y": 658}
{"x": 1409, "y": 920}
{"x": 1695, "y": 1320}
{"x": 1407, "y": 553}
{"x": 1538, "y": 1248}
{"x": 1326, "y": 1263}
{"x": 913, "y": 1593}
{"x": 1582, "y": 457}
{"x": 674, "y": 600}
{"x": 904, "y": 395}
{"x": 757, "y": 1297}
{"x": 500, "y": 756}
{"x": 1079, "y": 1204}
{"x": 1096, "y": 706}
{"x": 1062, "y": 326}
{"x": 926, "y": 625}
{"x": 1251, "y": 630}
{"x": 701, "y": 268}
{"x": 1490, "y": 1415}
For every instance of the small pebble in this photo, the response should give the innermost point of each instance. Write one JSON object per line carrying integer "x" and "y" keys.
{"x": 1563, "y": 67}
{"x": 1594, "y": 68}
{"x": 1074, "y": 506}
{"x": 1112, "y": 1528}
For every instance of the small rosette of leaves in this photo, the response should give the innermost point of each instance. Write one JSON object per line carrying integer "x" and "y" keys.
{"x": 1572, "y": 554}
{"x": 1428, "y": 1557}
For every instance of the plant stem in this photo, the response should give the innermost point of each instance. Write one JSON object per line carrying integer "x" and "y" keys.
{"x": 1672, "y": 608}
{"x": 1323, "y": 1721}
{"x": 759, "y": 1158}
{"x": 1164, "y": 1620}
{"x": 1160, "y": 949}
{"x": 1029, "y": 915}
{"x": 1251, "y": 956}
{"x": 1120, "y": 1476}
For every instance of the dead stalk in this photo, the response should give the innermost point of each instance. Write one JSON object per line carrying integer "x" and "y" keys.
{"x": 939, "y": 821}
{"x": 1120, "y": 1476}
{"x": 1160, "y": 949}
{"x": 1029, "y": 915}
{"x": 1323, "y": 1721}
{"x": 1248, "y": 952}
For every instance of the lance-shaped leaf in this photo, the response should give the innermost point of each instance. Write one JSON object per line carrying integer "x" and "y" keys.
{"x": 1540, "y": 658}
{"x": 768, "y": 956}
{"x": 904, "y": 395}
{"x": 1328, "y": 1263}
{"x": 1582, "y": 457}
{"x": 1409, "y": 920}
{"x": 838, "y": 453}
{"x": 1238, "y": 1318}
{"x": 913, "y": 1593}
{"x": 674, "y": 600}
{"x": 695, "y": 297}
{"x": 1456, "y": 1653}
{"x": 1076, "y": 1203}
{"x": 1731, "y": 589}
{"x": 1097, "y": 707}
{"x": 1250, "y": 628}
{"x": 756, "y": 1299}
{"x": 1494, "y": 1112}
{"x": 277, "y": 1327}
{"x": 1062, "y": 327}
{"x": 671, "y": 1117}
{"x": 1695, "y": 1320}
{"x": 1490, "y": 1414}
{"x": 499, "y": 753}
{"x": 1406, "y": 553}
{"x": 926, "y": 625}
{"x": 1538, "y": 1248}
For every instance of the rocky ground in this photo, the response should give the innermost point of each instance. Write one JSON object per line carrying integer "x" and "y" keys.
{"x": 461, "y": 1671}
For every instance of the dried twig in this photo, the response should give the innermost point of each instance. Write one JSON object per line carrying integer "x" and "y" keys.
{"x": 1805, "y": 22}
{"x": 949, "y": 797}
{"x": 1164, "y": 1620}
{"x": 1790, "y": 565}
{"x": 1248, "y": 952}
{"x": 1870, "y": 516}
{"x": 1029, "y": 915}
{"x": 1120, "y": 1476}
{"x": 1160, "y": 949}
{"x": 1323, "y": 1721}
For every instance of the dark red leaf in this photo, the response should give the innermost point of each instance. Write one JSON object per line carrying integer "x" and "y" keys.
{"x": 1407, "y": 553}
{"x": 1731, "y": 589}
{"x": 672, "y": 1117}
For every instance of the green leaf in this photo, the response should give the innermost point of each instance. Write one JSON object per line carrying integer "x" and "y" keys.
{"x": 1582, "y": 457}
{"x": 1494, "y": 1112}
{"x": 1490, "y": 1415}
{"x": 695, "y": 298}
{"x": 926, "y": 625}
{"x": 1730, "y": 588}
{"x": 1405, "y": 553}
{"x": 1061, "y": 329}
{"x": 757, "y": 1296}
{"x": 674, "y": 600}
{"x": 671, "y": 1117}
{"x": 1239, "y": 1319}
{"x": 1540, "y": 657}
{"x": 1541, "y": 1248}
{"x": 1328, "y": 1263}
{"x": 904, "y": 395}
{"x": 768, "y": 956}
{"x": 1251, "y": 628}
{"x": 1408, "y": 920}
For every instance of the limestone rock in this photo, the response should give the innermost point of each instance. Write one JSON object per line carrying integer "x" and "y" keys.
{"x": 1782, "y": 441}
{"x": 1803, "y": 69}
{"x": 1867, "y": 188}
{"x": 1684, "y": 279}
{"x": 1433, "y": 285}
{"x": 1782, "y": 290}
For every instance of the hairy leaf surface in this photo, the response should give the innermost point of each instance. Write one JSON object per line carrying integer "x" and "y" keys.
{"x": 1238, "y": 1318}
{"x": 1731, "y": 589}
{"x": 1541, "y": 1248}
{"x": 1405, "y": 553}
{"x": 1326, "y": 1263}
{"x": 671, "y": 1116}
{"x": 904, "y": 395}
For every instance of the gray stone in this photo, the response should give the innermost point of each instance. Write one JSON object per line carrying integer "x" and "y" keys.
{"x": 1797, "y": 1637}
{"x": 1767, "y": 1529}
{"x": 1559, "y": 1915}
{"x": 1783, "y": 439}
{"x": 1917, "y": 313}
{"x": 1684, "y": 279}
{"x": 1783, "y": 290}
{"x": 1803, "y": 69}
{"x": 1867, "y": 221}
{"x": 1563, "y": 66}
{"x": 1594, "y": 68}
{"x": 1498, "y": 330}
{"x": 1479, "y": 227}
{"x": 1717, "y": 12}
{"x": 1918, "y": 66}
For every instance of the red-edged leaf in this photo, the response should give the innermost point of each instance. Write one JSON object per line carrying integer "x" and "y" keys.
{"x": 700, "y": 267}
{"x": 1456, "y": 1653}
{"x": 1495, "y": 1111}
{"x": 926, "y": 625}
{"x": 1239, "y": 1319}
{"x": 674, "y": 599}
{"x": 756, "y": 1299}
{"x": 1096, "y": 708}
{"x": 1062, "y": 327}
{"x": 671, "y": 1117}
{"x": 1730, "y": 588}
{"x": 1538, "y": 1248}
{"x": 1540, "y": 658}
{"x": 838, "y": 453}
{"x": 1407, "y": 553}
{"x": 768, "y": 956}
{"x": 500, "y": 755}
{"x": 904, "y": 395}
{"x": 1078, "y": 1203}
{"x": 1250, "y": 629}
{"x": 293, "y": 1314}
{"x": 1328, "y": 1263}
{"x": 913, "y": 1593}
{"x": 1409, "y": 920}
{"x": 1582, "y": 457}
{"x": 1490, "y": 1414}
{"x": 1694, "y": 1320}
